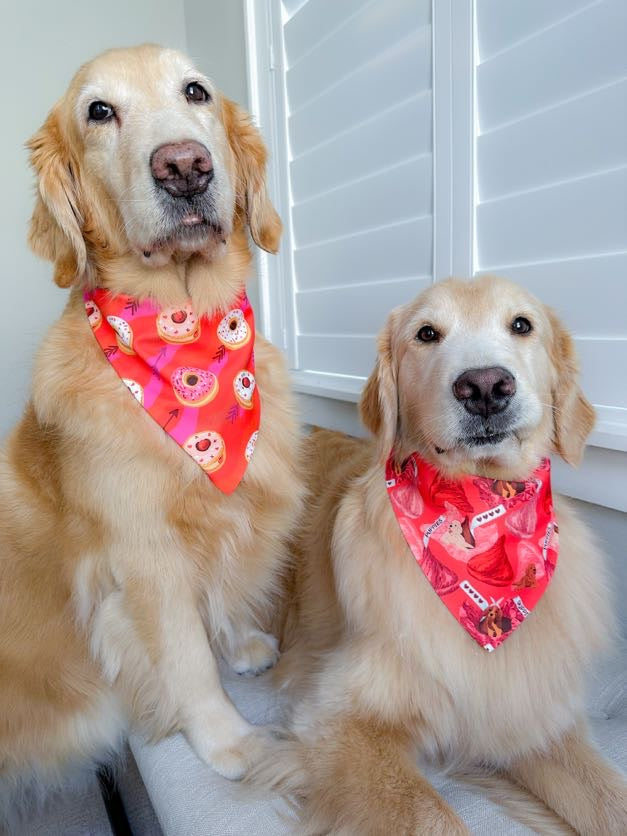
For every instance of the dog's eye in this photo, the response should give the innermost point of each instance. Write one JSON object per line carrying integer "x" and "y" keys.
{"x": 427, "y": 334}
{"x": 521, "y": 325}
{"x": 100, "y": 112}
{"x": 195, "y": 92}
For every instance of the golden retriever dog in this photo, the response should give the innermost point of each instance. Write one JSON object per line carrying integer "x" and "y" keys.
{"x": 124, "y": 571}
{"x": 376, "y": 662}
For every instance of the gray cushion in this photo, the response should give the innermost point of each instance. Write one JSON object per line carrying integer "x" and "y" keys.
{"x": 78, "y": 812}
{"x": 191, "y": 800}
{"x": 136, "y": 801}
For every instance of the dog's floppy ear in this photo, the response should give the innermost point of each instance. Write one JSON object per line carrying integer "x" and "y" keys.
{"x": 379, "y": 401}
{"x": 573, "y": 415}
{"x": 55, "y": 227}
{"x": 250, "y": 161}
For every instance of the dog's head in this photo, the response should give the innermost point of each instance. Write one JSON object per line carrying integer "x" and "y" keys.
{"x": 493, "y": 613}
{"x": 478, "y": 377}
{"x": 143, "y": 155}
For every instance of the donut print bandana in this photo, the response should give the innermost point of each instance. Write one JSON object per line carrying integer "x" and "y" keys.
{"x": 193, "y": 375}
{"x": 488, "y": 547}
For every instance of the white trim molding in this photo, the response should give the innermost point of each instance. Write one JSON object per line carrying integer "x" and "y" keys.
{"x": 266, "y": 84}
{"x": 453, "y": 138}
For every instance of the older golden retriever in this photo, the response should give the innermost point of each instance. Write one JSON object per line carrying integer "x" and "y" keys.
{"x": 123, "y": 570}
{"x": 377, "y": 662}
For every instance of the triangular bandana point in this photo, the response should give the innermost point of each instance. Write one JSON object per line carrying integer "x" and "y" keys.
{"x": 488, "y": 547}
{"x": 193, "y": 375}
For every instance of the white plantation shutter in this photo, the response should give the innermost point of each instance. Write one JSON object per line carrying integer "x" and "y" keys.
{"x": 358, "y": 176}
{"x": 551, "y": 172}
{"x": 412, "y": 140}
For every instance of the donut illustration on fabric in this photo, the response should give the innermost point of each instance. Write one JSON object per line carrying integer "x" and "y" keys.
{"x": 197, "y": 385}
{"x": 233, "y": 330}
{"x": 250, "y": 447}
{"x": 194, "y": 387}
{"x": 123, "y": 333}
{"x": 244, "y": 388}
{"x": 207, "y": 449}
{"x": 135, "y": 389}
{"x": 178, "y": 325}
{"x": 94, "y": 317}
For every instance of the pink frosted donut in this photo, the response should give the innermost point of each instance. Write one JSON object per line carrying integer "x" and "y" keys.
{"x": 233, "y": 330}
{"x": 178, "y": 324}
{"x": 194, "y": 387}
{"x": 94, "y": 317}
{"x": 244, "y": 388}
{"x": 207, "y": 449}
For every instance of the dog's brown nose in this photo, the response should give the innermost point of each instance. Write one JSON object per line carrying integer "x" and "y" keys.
{"x": 182, "y": 168}
{"x": 485, "y": 391}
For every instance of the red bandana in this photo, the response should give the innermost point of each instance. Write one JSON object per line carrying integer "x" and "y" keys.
{"x": 193, "y": 375}
{"x": 488, "y": 547}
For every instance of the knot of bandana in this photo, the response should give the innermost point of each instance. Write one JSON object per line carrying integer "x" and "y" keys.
{"x": 193, "y": 375}
{"x": 488, "y": 547}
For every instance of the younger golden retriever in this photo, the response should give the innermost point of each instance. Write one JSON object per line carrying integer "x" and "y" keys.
{"x": 377, "y": 661}
{"x": 123, "y": 569}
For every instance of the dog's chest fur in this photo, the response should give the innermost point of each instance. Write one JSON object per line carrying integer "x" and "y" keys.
{"x": 464, "y": 701}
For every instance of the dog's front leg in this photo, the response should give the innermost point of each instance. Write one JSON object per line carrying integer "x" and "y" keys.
{"x": 215, "y": 729}
{"x": 152, "y": 643}
{"x": 357, "y": 777}
{"x": 578, "y": 784}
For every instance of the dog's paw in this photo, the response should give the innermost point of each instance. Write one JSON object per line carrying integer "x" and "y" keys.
{"x": 235, "y": 762}
{"x": 256, "y": 653}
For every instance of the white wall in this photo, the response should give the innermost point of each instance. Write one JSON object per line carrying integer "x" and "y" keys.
{"x": 42, "y": 45}
{"x": 216, "y": 42}
{"x": 610, "y": 531}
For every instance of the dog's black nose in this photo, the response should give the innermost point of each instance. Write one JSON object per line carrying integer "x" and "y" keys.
{"x": 183, "y": 169}
{"x": 485, "y": 391}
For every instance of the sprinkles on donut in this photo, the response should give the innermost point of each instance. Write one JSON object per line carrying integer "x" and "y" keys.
{"x": 123, "y": 333}
{"x": 207, "y": 449}
{"x": 233, "y": 330}
{"x": 194, "y": 387}
{"x": 94, "y": 316}
{"x": 244, "y": 388}
{"x": 178, "y": 324}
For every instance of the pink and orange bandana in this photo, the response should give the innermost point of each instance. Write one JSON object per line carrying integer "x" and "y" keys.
{"x": 488, "y": 547}
{"x": 193, "y": 375}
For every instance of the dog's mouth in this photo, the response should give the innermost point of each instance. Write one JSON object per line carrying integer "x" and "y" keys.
{"x": 187, "y": 225}
{"x": 191, "y": 231}
{"x": 192, "y": 219}
{"x": 194, "y": 225}
{"x": 483, "y": 440}
{"x": 487, "y": 439}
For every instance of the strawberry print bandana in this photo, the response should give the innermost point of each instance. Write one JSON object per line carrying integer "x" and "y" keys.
{"x": 487, "y": 546}
{"x": 193, "y": 375}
